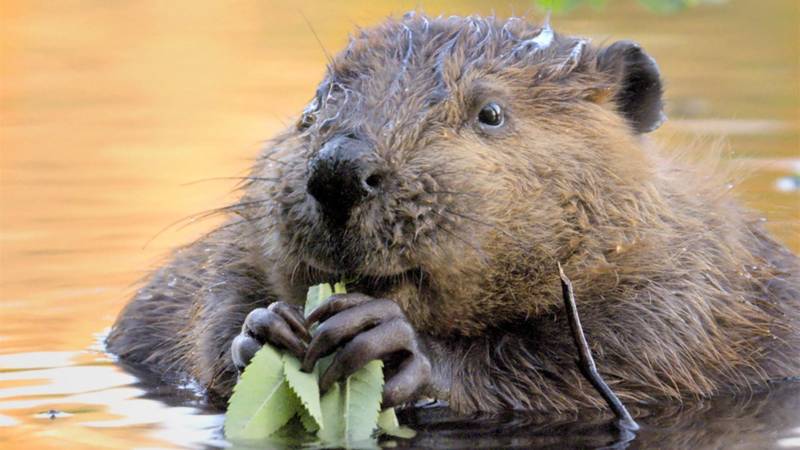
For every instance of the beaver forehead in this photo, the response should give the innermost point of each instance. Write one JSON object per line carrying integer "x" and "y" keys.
{"x": 401, "y": 74}
{"x": 422, "y": 60}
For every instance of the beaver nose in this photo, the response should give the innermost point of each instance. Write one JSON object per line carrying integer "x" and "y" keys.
{"x": 342, "y": 175}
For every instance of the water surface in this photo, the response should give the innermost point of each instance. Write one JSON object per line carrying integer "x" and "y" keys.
{"x": 110, "y": 112}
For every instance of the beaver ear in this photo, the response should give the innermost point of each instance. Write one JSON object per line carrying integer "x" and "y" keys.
{"x": 638, "y": 84}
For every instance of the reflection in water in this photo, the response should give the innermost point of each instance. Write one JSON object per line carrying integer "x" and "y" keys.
{"x": 108, "y": 108}
{"x": 85, "y": 399}
{"x": 754, "y": 421}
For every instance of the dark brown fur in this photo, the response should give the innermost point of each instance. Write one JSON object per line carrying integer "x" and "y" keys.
{"x": 681, "y": 292}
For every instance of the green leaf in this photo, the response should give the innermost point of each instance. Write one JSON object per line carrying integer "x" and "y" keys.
{"x": 388, "y": 424}
{"x": 353, "y": 406}
{"x": 273, "y": 390}
{"x": 262, "y": 401}
{"x": 363, "y": 393}
{"x": 316, "y": 295}
{"x": 291, "y": 435}
{"x": 305, "y": 386}
{"x": 333, "y": 432}
{"x": 387, "y": 419}
{"x": 309, "y": 423}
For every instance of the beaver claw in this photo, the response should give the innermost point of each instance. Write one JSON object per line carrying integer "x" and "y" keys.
{"x": 367, "y": 329}
{"x": 280, "y": 324}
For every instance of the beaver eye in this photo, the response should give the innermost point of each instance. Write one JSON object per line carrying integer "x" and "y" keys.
{"x": 306, "y": 120}
{"x": 309, "y": 115}
{"x": 491, "y": 114}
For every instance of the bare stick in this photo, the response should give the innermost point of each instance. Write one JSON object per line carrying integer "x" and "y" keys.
{"x": 585, "y": 360}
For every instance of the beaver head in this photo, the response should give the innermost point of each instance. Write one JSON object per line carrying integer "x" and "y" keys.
{"x": 449, "y": 163}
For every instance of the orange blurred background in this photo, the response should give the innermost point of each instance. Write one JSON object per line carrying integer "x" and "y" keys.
{"x": 111, "y": 112}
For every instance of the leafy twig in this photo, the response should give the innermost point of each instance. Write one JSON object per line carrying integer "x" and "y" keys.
{"x": 585, "y": 361}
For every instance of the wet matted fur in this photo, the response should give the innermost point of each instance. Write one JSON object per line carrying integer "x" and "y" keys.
{"x": 681, "y": 292}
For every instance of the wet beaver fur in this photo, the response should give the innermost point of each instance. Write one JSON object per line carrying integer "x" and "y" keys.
{"x": 446, "y": 165}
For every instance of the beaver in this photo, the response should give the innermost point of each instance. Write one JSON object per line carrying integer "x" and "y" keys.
{"x": 445, "y": 167}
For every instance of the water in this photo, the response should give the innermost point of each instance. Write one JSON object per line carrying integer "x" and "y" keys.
{"x": 109, "y": 109}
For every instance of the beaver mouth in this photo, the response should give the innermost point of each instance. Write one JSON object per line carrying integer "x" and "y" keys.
{"x": 373, "y": 285}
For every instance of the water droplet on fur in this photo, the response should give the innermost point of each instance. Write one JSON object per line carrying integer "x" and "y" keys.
{"x": 172, "y": 282}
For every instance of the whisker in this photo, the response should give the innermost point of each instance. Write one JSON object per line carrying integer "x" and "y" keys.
{"x": 231, "y": 225}
{"x": 294, "y": 271}
{"x": 186, "y": 221}
{"x": 241, "y": 221}
{"x": 469, "y": 244}
{"x": 489, "y": 225}
{"x": 439, "y": 173}
{"x": 455, "y": 235}
{"x": 268, "y": 156}
{"x": 419, "y": 284}
{"x": 471, "y": 194}
{"x": 316, "y": 36}
{"x": 204, "y": 180}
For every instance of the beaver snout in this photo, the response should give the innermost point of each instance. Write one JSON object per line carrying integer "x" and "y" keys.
{"x": 344, "y": 173}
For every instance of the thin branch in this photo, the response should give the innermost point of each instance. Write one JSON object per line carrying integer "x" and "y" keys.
{"x": 585, "y": 361}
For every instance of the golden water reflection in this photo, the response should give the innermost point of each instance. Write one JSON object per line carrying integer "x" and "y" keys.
{"x": 107, "y": 110}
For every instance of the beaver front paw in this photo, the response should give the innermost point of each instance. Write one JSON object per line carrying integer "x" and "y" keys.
{"x": 367, "y": 329}
{"x": 280, "y": 324}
